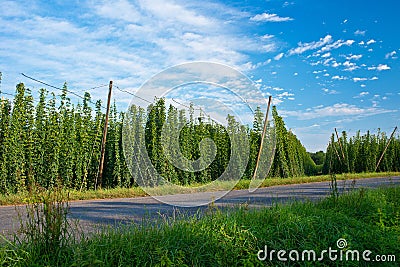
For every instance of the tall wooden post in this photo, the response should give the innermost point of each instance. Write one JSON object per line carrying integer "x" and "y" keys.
{"x": 384, "y": 151}
{"x": 262, "y": 137}
{"x": 340, "y": 144}
{"x": 103, "y": 141}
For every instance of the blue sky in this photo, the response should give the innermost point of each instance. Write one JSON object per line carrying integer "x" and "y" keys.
{"x": 327, "y": 64}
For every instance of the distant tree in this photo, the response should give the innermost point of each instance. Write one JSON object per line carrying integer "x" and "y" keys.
{"x": 318, "y": 157}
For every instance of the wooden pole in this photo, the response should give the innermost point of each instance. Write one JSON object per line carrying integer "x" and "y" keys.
{"x": 337, "y": 153}
{"x": 340, "y": 144}
{"x": 103, "y": 141}
{"x": 384, "y": 151}
{"x": 262, "y": 137}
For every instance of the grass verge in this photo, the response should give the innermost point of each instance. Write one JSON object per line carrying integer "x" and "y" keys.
{"x": 366, "y": 219}
{"x": 23, "y": 198}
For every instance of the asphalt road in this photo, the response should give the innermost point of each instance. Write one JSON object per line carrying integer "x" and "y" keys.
{"x": 90, "y": 214}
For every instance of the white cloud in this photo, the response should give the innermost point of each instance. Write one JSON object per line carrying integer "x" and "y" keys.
{"x": 295, "y": 74}
{"x": 270, "y": 18}
{"x": 356, "y": 79}
{"x": 318, "y": 71}
{"x": 374, "y": 78}
{"x": 279, "y": 56}
{"x": 326, "y": 55}
{"x": 350, "y": 66}
{"x": 327, "y": 61}
{"x": 269, "y": 47}
{"x": 330, "y": 92}
{"x": 372, "y": 41}
{"x": 390, "y": 55}
{"x": 267, "y": 36}
{"x": 303, "y": 47}
{"x": 170, "y": 11}
{"x": 337, "y": 44}
{"x": 359, "y": 32}
{"x": 127, "y": 11}
{"x": 380, "y": 67}
{"x": 361, "y": 94}
{"x": 339, "y": 109}
{"x": 285, "y": 94}
{"x": 361, "y": 43}
{"x": 126, "y": 41}
{"x": 337, "y": 77}
{"x": 286, "y": 4}
{"x": 355, "y": 57}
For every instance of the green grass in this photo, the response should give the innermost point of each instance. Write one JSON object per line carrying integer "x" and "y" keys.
{"x": 367, "y": 219}
{"x": 22, "y": 198}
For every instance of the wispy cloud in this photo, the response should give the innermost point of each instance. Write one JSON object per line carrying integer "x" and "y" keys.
{"x": 356, "y": 79}
{"x": 362, "y": 94}
{"x": 279, "y": 56}
{"x": 267, "y": 36}
{"x": 337, "y": 44}
{"x": 337, "y": 77}
{"x": 372, "y": 41}
{"x": 391, "y": 55}
{"x": 127, "y": 41}
{"x": 380, "y": 67}
{"x": 350, "y": 66}
{"x": 354, "y": 57}
{"x": 359, "y": 32}
{"x": 326, "y": 55}
{"x": 339, "y": 109}
{"x": 269, "y": 18}
{"x": 330, "y": 92}
{"x": 303, "y": 47}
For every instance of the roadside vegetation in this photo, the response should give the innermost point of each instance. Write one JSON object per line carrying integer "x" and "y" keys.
{"x": 23, "y": 197}
{"x": 366, "y": 219}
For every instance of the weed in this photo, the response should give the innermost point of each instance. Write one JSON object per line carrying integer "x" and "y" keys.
{"x": 367, "y": 219}
{"x": 44, "y": 225}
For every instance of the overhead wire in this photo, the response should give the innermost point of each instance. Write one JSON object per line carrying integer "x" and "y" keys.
{"x": 200, "y": 109}
{"x": 58, "y": 88}
{"x": 132, "y": 94}
{"x": 96, "y": 87}
{"x": 6, "y": 94}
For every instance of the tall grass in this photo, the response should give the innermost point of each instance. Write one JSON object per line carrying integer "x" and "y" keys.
{"x": 44, "y": 227}
{"x": 367, "y": 219}
{"x": 23, "y": 198}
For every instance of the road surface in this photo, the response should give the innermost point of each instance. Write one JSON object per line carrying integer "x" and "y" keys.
{"x": 92, "y": 213}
